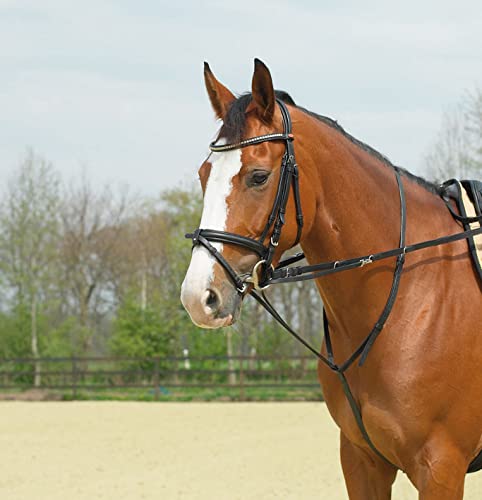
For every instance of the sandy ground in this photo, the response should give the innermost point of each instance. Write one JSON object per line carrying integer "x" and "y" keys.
{"x": 116, "y": 451}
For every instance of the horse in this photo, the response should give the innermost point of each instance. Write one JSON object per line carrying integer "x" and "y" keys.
{"x": 418, "y": 391}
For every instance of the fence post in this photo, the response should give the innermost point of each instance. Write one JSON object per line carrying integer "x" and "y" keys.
{"x": 242, "y": 395}
{"x": 74, "y": 378}
{"x": 157, "y": 379}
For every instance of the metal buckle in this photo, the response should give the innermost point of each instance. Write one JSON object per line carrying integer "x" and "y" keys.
{"x": 364, "y": 262}
{"x": 254, "y": 278}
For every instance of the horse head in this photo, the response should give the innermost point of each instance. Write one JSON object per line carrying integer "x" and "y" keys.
{"x": 240, "y": 187}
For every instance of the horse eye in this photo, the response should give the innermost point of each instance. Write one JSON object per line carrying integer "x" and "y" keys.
{"x": 258, "y": 178}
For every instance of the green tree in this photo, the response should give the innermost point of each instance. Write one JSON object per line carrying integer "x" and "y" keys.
{"x": 14, "y": 333}
{"x": 140, "y": 331}
{"x": 92, "y": 220}
{"x": 29, "y": 233}
{"x": 183, "y": 210}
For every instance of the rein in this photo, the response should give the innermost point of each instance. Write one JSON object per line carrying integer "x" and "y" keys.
{"x": 264, "y": 274}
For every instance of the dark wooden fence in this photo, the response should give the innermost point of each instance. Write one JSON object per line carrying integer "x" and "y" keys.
{"x": 161, "y": 375}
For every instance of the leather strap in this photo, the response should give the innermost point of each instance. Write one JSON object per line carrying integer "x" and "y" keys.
{"x": 225, "y": 237}
{"x": 304, "y": 273}
{"x": 329, "y": 361}
{"x": 358, "y": 417}
{"x": 199, "y": 239}
{"x": 252, "y": 141}
{"x": 454, "y": 184}
{"x": 366, "y": 345}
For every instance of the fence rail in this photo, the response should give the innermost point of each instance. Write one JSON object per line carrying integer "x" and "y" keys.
{"x": 160, "y": 376}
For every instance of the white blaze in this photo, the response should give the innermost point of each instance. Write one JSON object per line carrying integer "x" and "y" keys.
{"x": 224, "y": 167}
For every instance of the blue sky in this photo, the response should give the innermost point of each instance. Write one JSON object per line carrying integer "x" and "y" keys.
{"x": 116, "y": 87}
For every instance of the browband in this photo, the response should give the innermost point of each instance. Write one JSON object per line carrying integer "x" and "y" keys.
{"x": 250, "y": 142}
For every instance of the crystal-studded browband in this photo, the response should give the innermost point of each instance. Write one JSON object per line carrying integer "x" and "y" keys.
{"x": 250, "y": 142}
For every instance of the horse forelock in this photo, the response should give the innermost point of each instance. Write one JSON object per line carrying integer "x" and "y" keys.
{"x": 234, "y": 123}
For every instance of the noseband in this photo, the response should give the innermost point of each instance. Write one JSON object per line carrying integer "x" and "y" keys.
{"x": 276, "y": 220}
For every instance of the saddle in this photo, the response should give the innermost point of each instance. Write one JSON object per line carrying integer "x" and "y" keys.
{"x": 468, "y": 199}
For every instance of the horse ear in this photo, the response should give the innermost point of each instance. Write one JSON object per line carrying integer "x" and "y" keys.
{"x": 263, "y": 92}
{"x": 219, "y": 95}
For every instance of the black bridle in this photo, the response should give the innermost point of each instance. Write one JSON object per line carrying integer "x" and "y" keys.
{"x": 264, "y": 274}
{"x": 276, "y": 220}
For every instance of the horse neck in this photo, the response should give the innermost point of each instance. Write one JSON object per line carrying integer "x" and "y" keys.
{"x": 358, "y": 213}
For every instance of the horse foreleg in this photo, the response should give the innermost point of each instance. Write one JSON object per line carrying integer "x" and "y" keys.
{"x": 439, "y": 472}
{"x": 366, "y": 477}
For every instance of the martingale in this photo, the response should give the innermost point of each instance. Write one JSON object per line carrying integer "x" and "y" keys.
{"x": 265, "y": 274}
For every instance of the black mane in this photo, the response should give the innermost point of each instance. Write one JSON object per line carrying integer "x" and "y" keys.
{"x": 234, "y": 126}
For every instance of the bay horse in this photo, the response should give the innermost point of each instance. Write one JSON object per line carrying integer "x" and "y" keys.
{"x": 419, "y": 392}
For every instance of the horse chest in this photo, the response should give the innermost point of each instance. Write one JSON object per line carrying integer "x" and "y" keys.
{"x": 383, "y": 424}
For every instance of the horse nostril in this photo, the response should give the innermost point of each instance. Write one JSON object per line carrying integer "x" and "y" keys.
{"x": 211, "y": 300}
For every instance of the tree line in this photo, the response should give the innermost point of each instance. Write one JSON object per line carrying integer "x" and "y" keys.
{"x": 88, "y": 270}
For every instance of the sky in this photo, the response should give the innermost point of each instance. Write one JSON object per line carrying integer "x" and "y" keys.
{"x": 116, "y": 87}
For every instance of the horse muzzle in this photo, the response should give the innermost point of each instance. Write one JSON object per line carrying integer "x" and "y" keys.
{"x": 211, "y": 307}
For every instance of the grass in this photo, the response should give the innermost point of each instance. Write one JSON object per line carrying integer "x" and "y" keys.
{"x": 200, "y": 394}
